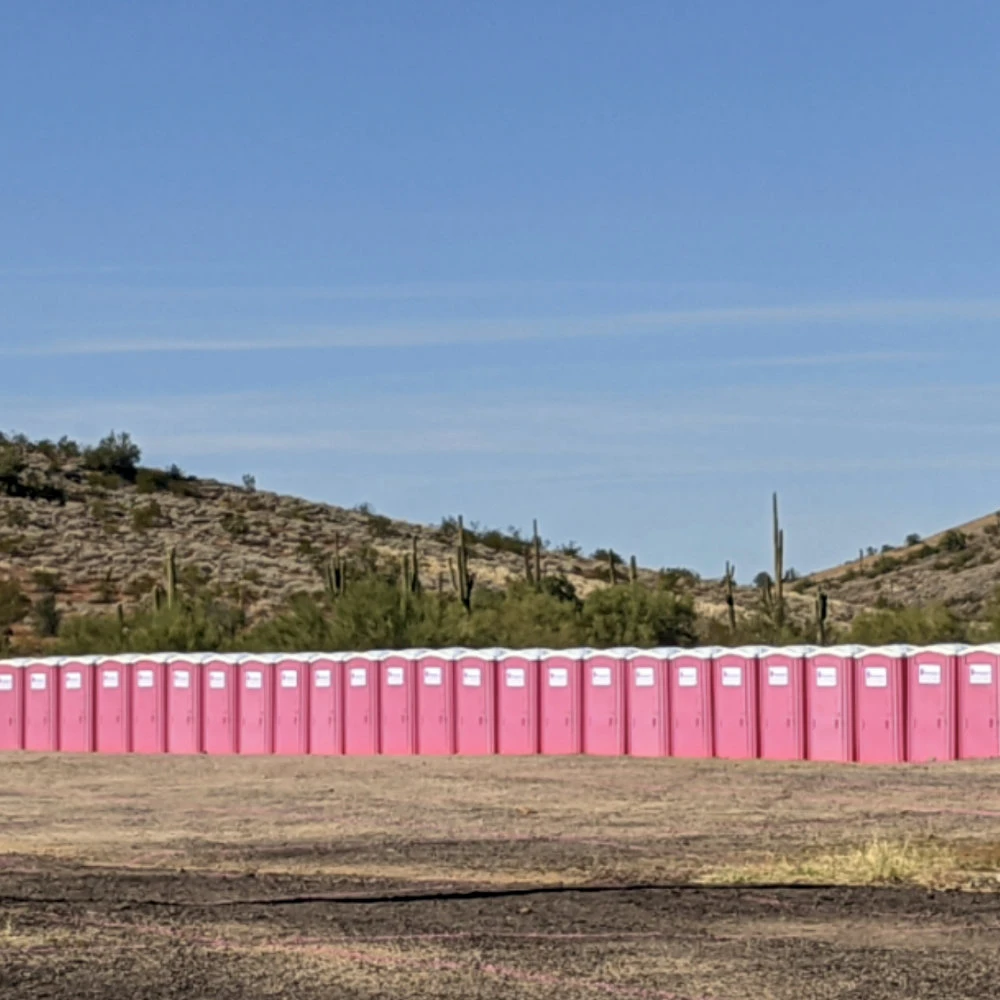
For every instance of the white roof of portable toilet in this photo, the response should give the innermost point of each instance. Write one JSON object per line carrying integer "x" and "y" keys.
{"x": 986, "y": 647}
{"x": 85, "y": 661}
{"x": 217, "y": 657}
{"x": 452, "y": 653}
{"x": 701, "y": 652}
{"x": 895, "y": 650}
{"x": 526, "y": 654}
{"x": 842, "y": 651}
{"x": 618, "y": 652}
{"x": 752, "y": 652}
{"x": 265, "y": 658}
{"x": 577, "y": 653}
{"x": 798, "y": 652}
{"x": 944, "y": 648}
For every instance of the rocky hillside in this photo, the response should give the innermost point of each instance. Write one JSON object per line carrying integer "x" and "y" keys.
{"x": 91, "y": 528}
{"x": 95, "y": 530}
{"x": 959, "y": 568}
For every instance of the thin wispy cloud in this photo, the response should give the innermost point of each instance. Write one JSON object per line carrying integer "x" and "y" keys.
{"x": 455, "y": 332}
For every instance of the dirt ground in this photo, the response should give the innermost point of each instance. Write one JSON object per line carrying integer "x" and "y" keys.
{"x": 247, "y": 878}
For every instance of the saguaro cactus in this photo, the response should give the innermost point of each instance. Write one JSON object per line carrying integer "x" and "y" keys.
{"x": 633, "y": 570}
{"x": 821, "y": 612}
{"x": 536, "y": 544}
{"x": 779, "y": 565}
{"x": 461, "y": 579}
{"x": 729, "y": 583}
{"x": 171, "y": 577}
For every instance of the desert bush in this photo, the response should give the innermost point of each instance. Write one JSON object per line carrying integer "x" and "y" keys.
{"x": 919, "y": 626}
{"x": 46, "y": 616}
{"x": 115, "y": 454}
{"x": 954, "y": 541}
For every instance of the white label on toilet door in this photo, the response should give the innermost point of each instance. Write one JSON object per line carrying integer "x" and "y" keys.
{"x": 732, "y": 677}
{"x": 289, "y": 678}
{"x": 777, "y": 677}
{"x": 687, "y": 677}
{"x": 433, "y": 676}
{"x": 472, "y": 677}
{"x": 37, "y": 682}
{"x": 826, "y": 677}
{"x": 6, "y": 682}
{"x": 359, "y": 677}
{"x": 109, "y": 679}
{"x": 394, "y": 677}
{"x": 980, "y": 673}
{"x": 929, "y": 673}
{"x": 558, "y": 677}
{"x": 74, "y": 681}
{"x": 182, "y": 679}
{"x": 515, "y": 677}
{"x": 217, "y": 680}
{"x": 323, "y": 678}
{"x": 254, "y": 680}
{"x": 645, "y": 677}
{"x": 600, "y": 677}
{"x": 876, "y": 677}
{"x": 144, "y": 679}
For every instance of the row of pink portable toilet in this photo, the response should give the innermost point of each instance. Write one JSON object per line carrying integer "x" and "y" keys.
{"x": 845, "y": 703}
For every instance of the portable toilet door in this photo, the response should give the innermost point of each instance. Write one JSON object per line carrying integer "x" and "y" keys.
{"x": 979, "y": 702}
{"x": 605, "y": 723}
{"x": 880, "y": 725}
{"x": 561, "y": 701}
{"x": 361, "y": 703}
{"x": 647, "y": 702}
{"x": 517, "y": 702}
{"x": 398, "y": 697}
{"x": 734, "y": 702}
{"x": 219, "y": 704}
{"x": 148, "y": 697}
{"x": 690, "y": 697}
{"x": 830, "y": 703}
{"x": 41, "y": 705}
{"x": 113, "y": 706}
{"x": 76, "y": 705}
{"x": 931, "y": 710}
{"x": 256, "y": 704}
{"x": 184, "y": 729}
{"x": 291, "y": 705}
{"x": 11, "y": 705}
{"x": 326, "y": 704}
{"x": 781, "y": 682}
{"x": 475, "y": 702}
{"x": 436, "y": 731}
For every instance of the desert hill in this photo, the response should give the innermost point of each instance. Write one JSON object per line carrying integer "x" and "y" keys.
{"x": 90, "y": 529}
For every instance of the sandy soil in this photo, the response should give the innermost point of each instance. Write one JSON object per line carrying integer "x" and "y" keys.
{"x": 458, "y": 878}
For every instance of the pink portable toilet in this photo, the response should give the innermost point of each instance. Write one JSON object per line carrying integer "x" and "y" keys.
{"x": 361, "y": 703}
{"x": 979, "y": 702}
{"x": 256, "y": 703}
{"x": 690, "y": 697}
{"x": 220, "y": 704}
{"x": 11, "y": 705}
{"x": 517, "y": 702}
{"x": 781, "y": 690}
{"x": 113, "y": 705}
{"x": 561, "y": 701}
{"x": 931, "y": 703}
{"x": 879, "y": 693}
{"x": 184, "y": 728}
{"x": 291, "y": 704}
{"x": 76, "y": 704}
{"x": 41, "y": 705}
{"x": 830, "y": 703}
{"x": 647, "y": 702}
{"x": 148, "y": 697}
{"x": 326, "y": 703}
{"x": 398, "y": 702}
{"x": 734, "y": 702}
{"x": 475, "y": 701}
{"x": 605, "y": 722}
{"x": 436, "y": 729}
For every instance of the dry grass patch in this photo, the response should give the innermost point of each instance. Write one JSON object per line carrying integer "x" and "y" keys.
{"x": 880, "y": 861}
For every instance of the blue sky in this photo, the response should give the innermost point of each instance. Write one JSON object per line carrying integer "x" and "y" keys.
{"x": 625, "y": 268}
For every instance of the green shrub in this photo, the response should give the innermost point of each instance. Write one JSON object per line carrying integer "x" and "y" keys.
{"x": 115, "y": 454}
